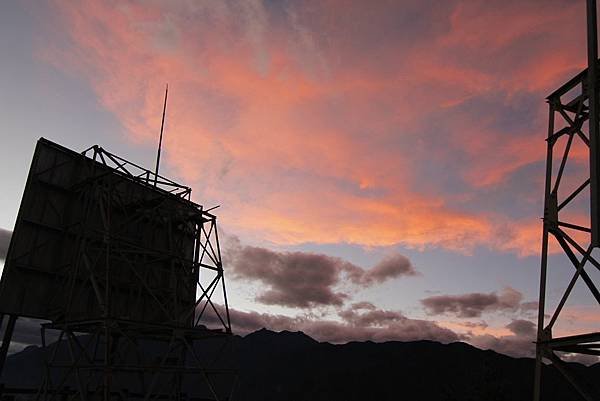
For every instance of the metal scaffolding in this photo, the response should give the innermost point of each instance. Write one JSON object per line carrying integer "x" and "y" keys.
{"x": 134, "y": 270}
{"x": 571, "y": 106}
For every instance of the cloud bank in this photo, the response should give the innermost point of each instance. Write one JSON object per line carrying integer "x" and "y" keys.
{"x": 302, "y": 279}
{"x": 474, "y": 304}
{"x": 373, "y": 325}
{"x": 365, "y": 322}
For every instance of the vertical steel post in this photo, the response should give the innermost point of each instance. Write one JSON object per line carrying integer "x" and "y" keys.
{"x": 592, "y": 92}
{"x": 544, "y": 263}
{"x": 10, "y": 328}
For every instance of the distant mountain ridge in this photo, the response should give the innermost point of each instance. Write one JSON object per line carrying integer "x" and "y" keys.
{"x": 293, "y": 366}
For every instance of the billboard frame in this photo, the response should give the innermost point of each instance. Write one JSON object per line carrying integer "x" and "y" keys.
{"x": 184, "y": 328}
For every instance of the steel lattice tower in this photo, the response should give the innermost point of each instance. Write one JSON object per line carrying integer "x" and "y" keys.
{"x": 573, "y": 120}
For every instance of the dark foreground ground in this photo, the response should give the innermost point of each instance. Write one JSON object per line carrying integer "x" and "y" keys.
{"x": 293, "y": 366}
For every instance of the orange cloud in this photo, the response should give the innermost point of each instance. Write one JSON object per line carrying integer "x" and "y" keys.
{"x": 474, "y": 329}
{"x": 310, "y": 128}
{"x": 577, "y": 319}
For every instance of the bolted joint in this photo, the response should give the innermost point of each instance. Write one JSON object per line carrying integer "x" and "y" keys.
{"x": 551, "y": 211}
{"x": 545, "y": 335}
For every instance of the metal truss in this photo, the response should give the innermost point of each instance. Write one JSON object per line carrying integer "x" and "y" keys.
{"x": 199, "y": 266}
{"x": 569, "y": 111}
{"x": 139, "y": 275}
{"x": 119, "y": 360}
{"x": 132, "y": 170}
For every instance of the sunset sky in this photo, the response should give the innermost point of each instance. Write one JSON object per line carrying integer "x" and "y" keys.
{"x": 379, "y": 164}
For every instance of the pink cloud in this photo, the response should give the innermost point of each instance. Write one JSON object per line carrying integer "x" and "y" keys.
{"x": 311, "y": 128}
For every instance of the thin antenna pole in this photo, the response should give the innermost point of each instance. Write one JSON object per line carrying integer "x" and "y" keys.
{"x": 162, "y": 126}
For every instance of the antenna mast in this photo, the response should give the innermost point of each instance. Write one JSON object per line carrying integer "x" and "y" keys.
{"x": 162, "y": 126}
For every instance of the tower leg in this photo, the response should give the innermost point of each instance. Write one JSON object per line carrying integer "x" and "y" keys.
{"x": 10, "y": 328}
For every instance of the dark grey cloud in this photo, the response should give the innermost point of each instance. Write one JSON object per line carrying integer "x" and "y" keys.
{"x": 294, "y": 279}
{"x": 363, "y": 305}
{"x": 523, "y": 328}
{"x": 373, "y": 325}
{"x": 479, "y": 325}
{"x": 4, "y": 241}
{"x": 509, "y": 345}
{"x": 519, "y": 344}
{"x": 402, "y": 330}
{"x": 303, "y": 279}
{"x": 247, "y": 322}
{"x": 391, "y": 266}
{"x": 474, "y": 304}
{"x": 371, "y": 317}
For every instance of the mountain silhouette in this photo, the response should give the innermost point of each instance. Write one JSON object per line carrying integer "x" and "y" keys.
{"x": 293, "y": 366}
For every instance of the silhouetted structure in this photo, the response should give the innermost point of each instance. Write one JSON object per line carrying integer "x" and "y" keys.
{"x": 571, "y": 106}
{"x": 125, "y": 267}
